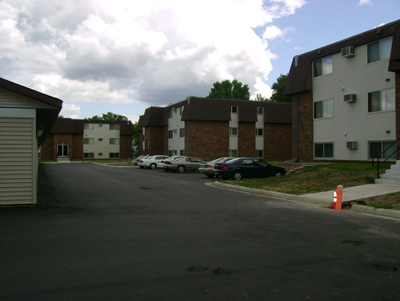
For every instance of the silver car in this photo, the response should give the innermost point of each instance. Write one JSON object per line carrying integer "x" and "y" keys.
{"x": 154, "y": 161}
{"x": 183, "y": 164}
{"x": 208, "y": 167}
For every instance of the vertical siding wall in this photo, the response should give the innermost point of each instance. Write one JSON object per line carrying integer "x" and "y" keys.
{"x": 351, "y": 121}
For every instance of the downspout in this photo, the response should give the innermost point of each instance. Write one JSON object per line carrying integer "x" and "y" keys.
{"x": 188, "y": 124}
{"x": 296, "y": 134}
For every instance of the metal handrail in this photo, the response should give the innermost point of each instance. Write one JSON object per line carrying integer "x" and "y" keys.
{"x": 388, "y": 157}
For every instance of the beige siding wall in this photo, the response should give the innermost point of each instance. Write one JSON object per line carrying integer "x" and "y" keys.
{"x": 101, "y": 135}
{"x": 18, "y": 161}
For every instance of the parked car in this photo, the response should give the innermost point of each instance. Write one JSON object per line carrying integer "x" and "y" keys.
{"x": 247, "y": 168}
{"x": 153, "y": 161}
{"x": 162, "y": 163}
{"x": 135, "y": 161}
{"x": 208, "y": 167}
{"x": 183, "y": 164}
{"x": 140, "y": 162}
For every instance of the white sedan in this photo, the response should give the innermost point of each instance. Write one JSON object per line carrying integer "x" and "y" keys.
{"x": 153, "y": 161}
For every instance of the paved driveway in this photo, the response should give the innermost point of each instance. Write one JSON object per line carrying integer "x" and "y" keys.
{"x": 133, "y": 234}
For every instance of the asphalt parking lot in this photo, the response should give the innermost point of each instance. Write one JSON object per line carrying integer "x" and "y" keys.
{"x": 108, "y": 233}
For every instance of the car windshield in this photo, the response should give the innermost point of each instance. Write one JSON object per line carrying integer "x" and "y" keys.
{"x": 217, "y": 160}
{"x": 235, "y": 160}
{"x": 261, "y": 163}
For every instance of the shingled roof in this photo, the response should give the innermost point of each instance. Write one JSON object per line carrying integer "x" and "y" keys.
{"x": 47, "y": 117}
{"x": 212, "y": 109}
{"x": 300, "y": 76}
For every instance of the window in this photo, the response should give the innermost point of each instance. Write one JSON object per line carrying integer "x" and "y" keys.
{"x": 260, "y": 110}
{"x": 180, "y": 110}
{"x": 382, "y": 149}
{"x": 88, "y": 126}
{"x": 323, "y": 150}
{"x": 182, "y": 152}
{"x": 114, "y": 140}
{"x": 114, "y": 155}
{"x": 100, "y": 125}
{"x": 381, "y": 101}
{"x": 233, "y": 153}
{"x": 259, "y": 153}
{"x": 114, "y": 126}
{"x": 379, "y": 50}
{"x": 170, "y": 134}
{"x": 88, "y": 140}
{"x": 259, "y": 132}
{"x": 170, "y": 114}
{"x": 323, "y": 109}
{"x": 182, "y": 132}
{"x": 323, "y": 66}
{"x": 233, "y": 131}
{"x": 234, "y": 109}
{"x": 88, "y": 155}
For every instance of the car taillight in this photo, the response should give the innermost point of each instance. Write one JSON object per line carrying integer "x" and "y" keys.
{"x": 167, "y": 162}
{"x": 224, "y": 167}
{"x": 208, "y": 166}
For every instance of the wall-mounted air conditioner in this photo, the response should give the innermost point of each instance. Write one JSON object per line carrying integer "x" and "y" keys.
{"x": 349, "y": 98}
{"x": 351, "y": 144}
{"x": 175, "y": 130}
{"x": 348, "y": 51}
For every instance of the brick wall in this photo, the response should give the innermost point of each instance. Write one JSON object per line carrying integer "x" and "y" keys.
{"x": 155, "y": 135}
{"x": 62, "y": 139}
{"x": 76, "y": 149}
{"x": 278, "y": 141}
{"x": 125, "y": 147}
{"x": 305, "y": 126}
{"x": 207, "y": 140}
{"x": 246, "y": 139}
{"x": 47, "y": 148}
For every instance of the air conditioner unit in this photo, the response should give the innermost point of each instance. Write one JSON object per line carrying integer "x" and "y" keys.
{"x": 175, "y": 130}
{"x": 100, "y": 154}
{"x": 352, "y": 144}
{"x": 349, "y": 98}
{"x": 348, "y": 51}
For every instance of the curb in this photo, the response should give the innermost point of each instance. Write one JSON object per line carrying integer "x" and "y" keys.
{"x": 304, "y": 199}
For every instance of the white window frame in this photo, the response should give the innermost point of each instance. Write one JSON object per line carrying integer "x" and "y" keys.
{"x": 326, "y": 66}
{"x": 387, "y": 101}
{"x": 327, "y": 109}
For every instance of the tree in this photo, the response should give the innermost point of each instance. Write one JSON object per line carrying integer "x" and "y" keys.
{"x": 229, "y": 90}
{"x": 259, "y": 97}
{"x": 135, "y": 141}
{"x": 277, "y": 87}
{"x": 108, "y": 116}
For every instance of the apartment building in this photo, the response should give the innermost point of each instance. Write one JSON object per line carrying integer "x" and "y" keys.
{"x": 346, "y": 98}
{"x": 210, "y": 128}
{"x": 88, "y": 139}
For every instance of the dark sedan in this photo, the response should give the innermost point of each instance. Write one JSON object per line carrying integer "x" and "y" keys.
{"x": 247, "y": 168}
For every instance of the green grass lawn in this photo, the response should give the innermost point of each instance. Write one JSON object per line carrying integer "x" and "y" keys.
{"x": 325, "y": 177}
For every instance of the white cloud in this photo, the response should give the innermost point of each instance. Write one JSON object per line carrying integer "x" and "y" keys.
{"x": 71, "y": 111}
{"x": 156, "y": 52}
{"x": 364, "y": 2}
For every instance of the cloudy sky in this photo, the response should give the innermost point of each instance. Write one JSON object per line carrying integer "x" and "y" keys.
{"x": 123, "y": 56}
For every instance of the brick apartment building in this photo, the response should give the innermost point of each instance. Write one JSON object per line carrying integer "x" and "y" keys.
{"x": 346, "y": 98}
{"x": 97, "y": 139}
{"x": 210, "y": 128}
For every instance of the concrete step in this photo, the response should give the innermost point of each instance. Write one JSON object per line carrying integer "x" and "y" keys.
{"x": 391, "y": 177}
{"x": 63, "y": 160}
{"x": 387, "y": 182}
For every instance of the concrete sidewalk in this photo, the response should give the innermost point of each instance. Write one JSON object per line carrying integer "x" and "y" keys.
{"x": 326, "y": 198}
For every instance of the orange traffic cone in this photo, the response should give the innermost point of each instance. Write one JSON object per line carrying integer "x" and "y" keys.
{"x": 337, "y": 198}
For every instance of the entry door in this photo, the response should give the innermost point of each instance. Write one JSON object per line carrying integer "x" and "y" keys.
{"x": 62, "y": 150}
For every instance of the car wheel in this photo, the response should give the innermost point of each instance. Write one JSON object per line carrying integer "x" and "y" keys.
{"x": 210, "y": 176}
{"x": 278, "y": 174}
{"x": 181, "y": 168}
{"x": 141, "y": 166}
{"x": 153, "y": 166}
{"x": 237, "y": 176}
